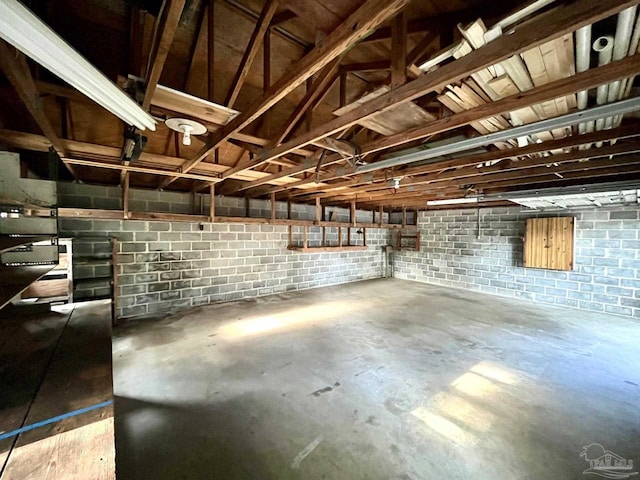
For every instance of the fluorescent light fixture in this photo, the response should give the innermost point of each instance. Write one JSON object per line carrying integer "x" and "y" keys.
{"x": 452, "y": 201}
{"x": 25, "y": 31}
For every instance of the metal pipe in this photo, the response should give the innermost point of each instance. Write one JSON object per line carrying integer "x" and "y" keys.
{"x": 526, "y": 11}
{"x": 617, "y": 108}
{"x": 583, "y": 56}
{"x": 604, "y": 47}
{"x": 624, "y": 29}
{"x": 627, "y": 83}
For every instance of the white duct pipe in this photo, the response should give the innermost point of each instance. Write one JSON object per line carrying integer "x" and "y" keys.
{"x": 627, "y": 83}
{"x": 604, "y": 47}
{"x": 633, "y": 49}
{"x": 583, "y": 55}
{"x": 526, "y": 11}
{"x": 624, "y": 29}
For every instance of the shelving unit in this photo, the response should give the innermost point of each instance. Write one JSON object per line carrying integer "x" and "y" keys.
{"x": 324, "y": 247}
{"x": 408, "y": 241}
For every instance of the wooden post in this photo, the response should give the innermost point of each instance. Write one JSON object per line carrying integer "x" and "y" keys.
{"x": 398, "y": 50}
{"x": 339, "y": 236}
{"x": 381, "y": 219}
{"x": 304, "y": 237}
{"x": 266, "y": 76}
{"x": 324, "y": 236}
{"x": 373, "y": 216}
{"x": 364, "y": 236}
{"x": 247, "y": 207}
{"x": 212, "y": 207}
{"x": 343, "y": 89}
{"x": 210, "y": 50}
{"x": 125, "y": 195}
{"x": 318, "y": 211}
{"x": 348, "y": 236}
{"x": 273, "y": 206}
{"x": 289, "y": 209}
{"x": 290, "y": 235}
{"x": 352, "y": 213}
{"x": 404, "y": 217}
{"x": 193, "y": 202}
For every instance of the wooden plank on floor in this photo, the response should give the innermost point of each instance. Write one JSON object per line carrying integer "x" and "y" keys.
{"x": 26, "y": 346}
{"x": 79, "y": 376}
{"x": 14, "y": 280}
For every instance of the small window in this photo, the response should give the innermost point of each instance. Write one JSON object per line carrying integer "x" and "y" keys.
{"x": 548, "y": 243}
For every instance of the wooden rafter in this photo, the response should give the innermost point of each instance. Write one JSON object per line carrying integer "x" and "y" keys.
{"x": 485, "y": 158}
{"x": 325, "y": 78}
{"x": 473, "y": 170}
{"x": 399, "y": 50}
{"x": 165, "y": 30}
{"x": 250, "y": 53}
{"x": 562, "y": 20}
{"x": 14, "y": 65}
{"x": 211, "y": 50}
{"x": 357, "y": 26}
{"x": 581, "y": 81}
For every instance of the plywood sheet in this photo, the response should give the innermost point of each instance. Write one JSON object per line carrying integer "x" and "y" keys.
{"x": 548, "y": 243}
{"x": 82, "y": 446}
{"x": 397, "y": 119}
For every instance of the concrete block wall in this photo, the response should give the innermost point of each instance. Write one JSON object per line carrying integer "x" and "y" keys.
{"x": 78, "y": 195}
{"x": 165, "y": 266}
{"x": 483, "y": 251}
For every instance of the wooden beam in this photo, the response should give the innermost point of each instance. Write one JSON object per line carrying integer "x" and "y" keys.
{"x": 318, "y": 210}
{"x": 273, "y": 206}
{"x": 357, "y": 26}
{"x": 372, "y": 66}
{"x": 212, "y": 206}
{"x": 111, "y": 155}
{"x": 398, "y": 50}
{"x": 566, "y": 86}
{"x": 14, "y": 65}
{"x": 250, "y": 53}
{"x": 352, "y": 212}
{"x": 325, "y": 77}
{"x": 166, "y": 26}
{"x": 125, "y": 194}
{"x": 553, "y": 24}
{"x": 421, "y": 47}
{"x": 343, "y": 89}
{"x": 135, "y": 168}
{"x": 493, "y": 156}
{"x": 211, "y": 50}
{"x": 282, "y": 17}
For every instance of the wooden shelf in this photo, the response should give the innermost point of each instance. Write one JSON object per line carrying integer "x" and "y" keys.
{"x": 9, "y": 242}
{"x": 14, "y": 280}
{"x": 413, "y": 244}
{"x": 344, "y": 248}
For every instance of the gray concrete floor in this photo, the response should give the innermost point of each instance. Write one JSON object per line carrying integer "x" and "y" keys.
{"x": 383, "y": 379}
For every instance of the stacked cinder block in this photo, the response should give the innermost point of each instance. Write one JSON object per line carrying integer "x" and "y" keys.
{"x": 483, "y": 251}
{"x": 165, "y": 266}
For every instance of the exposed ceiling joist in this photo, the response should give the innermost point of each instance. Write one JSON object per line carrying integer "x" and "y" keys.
{"x": 166, "y": 27}
{"x": 561, "y": 20}
{"x": 358, "y": 25}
